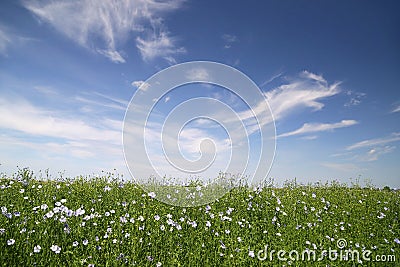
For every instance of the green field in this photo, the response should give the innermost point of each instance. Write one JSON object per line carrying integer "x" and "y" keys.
{"x": 107, "y": 222}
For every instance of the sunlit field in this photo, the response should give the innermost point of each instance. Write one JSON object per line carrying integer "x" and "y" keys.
{"x": 105, "y": 221}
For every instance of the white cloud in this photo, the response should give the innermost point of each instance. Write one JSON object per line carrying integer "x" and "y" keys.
{"x": 41, "y": 138}
{"x": 198, "y": 74}
{"x": 114, "y": 56}
{"x": 305, "y": 91}
{"x": 100, "y": 103}
{"x": 374, "y": 153}
{"x": 375, "y": 142}
{"x": 158, "y": 45}
{"x": 5, "y": 40}
{"x": 45, "y": 90}
{"x": 309, "y": 137}
{"x": 103, "y": 25}
{"x": 20, "y": 115}
{"x": 273, "y": 77}
{"x": 229, "y": 39}
{"x": 141, "y": 85}
{"x": 319, "y": 127}
{"x": 396, "y": 109}
{"x": 355, "y": 98}
{"x": 315, "y": 77}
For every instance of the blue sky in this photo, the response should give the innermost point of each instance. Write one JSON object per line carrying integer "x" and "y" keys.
{"x": 329, "y": 70}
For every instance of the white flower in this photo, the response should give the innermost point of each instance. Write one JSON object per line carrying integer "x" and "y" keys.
{"x": 10, "y": 242}
{"x": 75, "y": 243}
{"x": 397, "y": 241}
{"x": 251, "y": 253}
{"x": 107, "y": 188}
{"x": 156, "y": 217}
{"x": 152, "y": 194}
{"x": 56, "y": 249}
{"x": 208, "y": 224}
{"x": 79, "y": 212}
{"x": 37, "y": 248}
{"x": 85, "y": 242}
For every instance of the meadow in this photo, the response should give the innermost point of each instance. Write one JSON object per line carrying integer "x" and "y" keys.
{"x": 105, "y": 221}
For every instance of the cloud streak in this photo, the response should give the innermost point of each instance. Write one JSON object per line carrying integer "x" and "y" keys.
{"x": 5, "y": 41}
{"x": 375, "y": 142}
{"x": 396, "y": 109}
{"x": 319, "y": 127}
{"x": 22, "y": 116}
{"x": 305, "y": 91}
{"x": 159, "y": 44}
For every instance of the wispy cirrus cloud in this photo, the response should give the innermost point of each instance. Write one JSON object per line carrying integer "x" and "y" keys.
{"x": 103, "y": 26}
{"x": 5, "y": 41}
{"x": 375, "y": 142}
{"x": 59, "y": 136}
{"x": 307, "y": 90}
{"x": 374, "y": 153}
{"x": 141, "y": 85}
{"x": 158, "y": 44}
{"x": 319, "y": 127}
{"x": 20, "y": 115}
{"x": 8, "y": 37}
{"x": 396, "y": 109}
{"x": 198, "y": 74}
{"x": 355, "y": 98}
{"x": 372, "y": 149}
{"x": 229, "y": 39}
